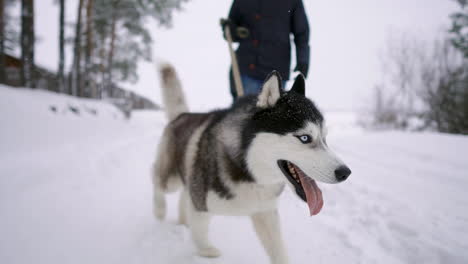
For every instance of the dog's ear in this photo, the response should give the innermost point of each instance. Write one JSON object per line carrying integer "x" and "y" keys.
{"x": 299, "y": 85}
{"x": 271, "y": 91}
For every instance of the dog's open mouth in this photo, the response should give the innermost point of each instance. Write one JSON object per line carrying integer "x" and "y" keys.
{"x": 306, "y": 187}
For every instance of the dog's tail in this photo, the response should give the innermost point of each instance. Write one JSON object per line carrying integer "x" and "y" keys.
{"x": 173, "y": 96}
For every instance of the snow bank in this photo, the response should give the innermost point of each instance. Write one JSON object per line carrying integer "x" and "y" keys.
{"x": 42, "y": 119}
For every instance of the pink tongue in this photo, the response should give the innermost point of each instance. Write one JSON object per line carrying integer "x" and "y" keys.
{"x": 313, "y": 194}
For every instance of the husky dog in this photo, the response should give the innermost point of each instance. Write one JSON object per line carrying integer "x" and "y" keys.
{"x": 237, "y": 161}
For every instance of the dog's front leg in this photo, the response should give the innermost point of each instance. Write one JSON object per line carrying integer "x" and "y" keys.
{"x": 267, "y": 226}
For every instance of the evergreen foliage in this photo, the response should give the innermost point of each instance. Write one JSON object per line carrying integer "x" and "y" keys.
{"x": 10, "y": 26}
{"x": 121, "y": 37}
{"x": 459, "y": 29}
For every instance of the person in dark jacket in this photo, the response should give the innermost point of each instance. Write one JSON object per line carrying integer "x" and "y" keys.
{"x": 267, "y": 46}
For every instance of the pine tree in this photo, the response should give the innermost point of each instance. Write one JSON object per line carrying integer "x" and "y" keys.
{"x": 76, "y": 71}
{"x": 11, "y": 26}
{"x": 88, "y": 83}
{"x": 9, "y": 39}
{"x": 459, "y": 28}
{"x": 115, "y": 40}
{"x": 2, "y": 44}
{"x": 121, "y": 37}
{"x": 61, "y": 65}
{"x": 27, "y": 44}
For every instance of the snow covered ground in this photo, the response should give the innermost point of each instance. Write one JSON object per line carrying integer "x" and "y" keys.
{"x": 75, "y": 188}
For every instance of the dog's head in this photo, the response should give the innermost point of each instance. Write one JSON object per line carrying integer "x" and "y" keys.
{"x": 288, "y": 142}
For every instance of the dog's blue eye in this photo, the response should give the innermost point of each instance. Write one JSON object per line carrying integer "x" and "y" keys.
{"x": 305, "y": 139}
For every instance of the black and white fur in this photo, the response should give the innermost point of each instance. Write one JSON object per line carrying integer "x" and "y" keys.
{"x": 226, "y": 161}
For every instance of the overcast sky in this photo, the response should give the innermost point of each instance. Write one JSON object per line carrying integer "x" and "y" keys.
{"x": 346, "y": 38}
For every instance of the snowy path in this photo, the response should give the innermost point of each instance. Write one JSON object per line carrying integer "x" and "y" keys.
{"x": 89, "y": 200}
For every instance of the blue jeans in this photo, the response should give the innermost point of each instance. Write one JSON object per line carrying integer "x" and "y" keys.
{"x": 250, "y": 85}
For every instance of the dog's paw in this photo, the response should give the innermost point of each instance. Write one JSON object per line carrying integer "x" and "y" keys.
{"x": 209, "y": 252}
{"x": 159, "y": 213}
{"x": 182, "y": 222}
{"x": 159, "y": 209}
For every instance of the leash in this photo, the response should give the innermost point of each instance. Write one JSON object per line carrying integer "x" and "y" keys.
{"x": 235, "y": 65}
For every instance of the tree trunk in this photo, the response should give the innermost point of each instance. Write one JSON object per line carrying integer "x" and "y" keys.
{"x": 102, "y": 67}
{"x": 2, "y": 44}
{"x": 27, "y": 44}
{"x": 111, "y": 52}
{"x": 61, "y": 77}
{"x": 89, "y": 91}
{"x": 76, "y": 89}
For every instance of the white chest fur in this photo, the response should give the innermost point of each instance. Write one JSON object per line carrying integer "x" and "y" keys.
{"x": 248, "y": 199}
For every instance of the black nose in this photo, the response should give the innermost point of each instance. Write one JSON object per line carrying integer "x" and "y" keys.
{"x": 342, "y": 173}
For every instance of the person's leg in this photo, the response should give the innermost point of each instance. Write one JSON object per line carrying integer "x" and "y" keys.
{"x": 251, "y": 85}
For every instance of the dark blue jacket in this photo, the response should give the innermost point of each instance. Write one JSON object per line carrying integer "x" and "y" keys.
{"x": 269, "y": 47}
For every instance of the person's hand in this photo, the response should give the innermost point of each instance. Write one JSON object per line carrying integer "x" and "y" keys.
{"x": 225, "y": 22}
{"x": 302, "y": 68}
{"x": 237, "y": 32}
